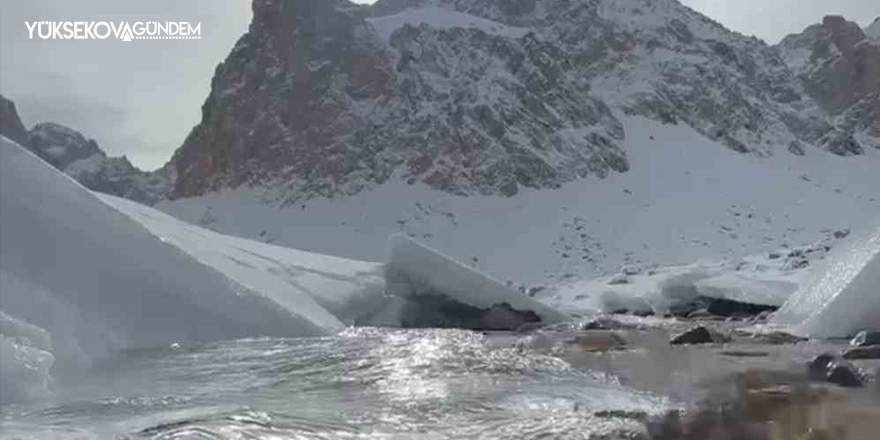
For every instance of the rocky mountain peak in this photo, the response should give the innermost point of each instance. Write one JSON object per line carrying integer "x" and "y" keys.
{"x": 60, "y": 145}
{"x": 839, "y": 67}
{"x": 10, "y": 123}
{"x": 82, "y": 159}
{"x": 328, "y": 98}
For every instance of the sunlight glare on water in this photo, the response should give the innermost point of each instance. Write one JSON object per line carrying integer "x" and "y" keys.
{"x": 364, "y": 383}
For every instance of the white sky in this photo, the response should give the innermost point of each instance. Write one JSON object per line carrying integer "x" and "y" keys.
{"x": 142, "y": 98}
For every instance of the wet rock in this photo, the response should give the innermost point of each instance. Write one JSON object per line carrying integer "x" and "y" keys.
{"x": 817, "y": 369}
{"x": 599, "y": 340}
{"x": 865, "y": 338}
{"x": 504, "y": 317}
{"x": 606, "y": 323}
{"x": 832, "y": 369}
{"x": 844, "y": 374}
{"x": 699, "y": 335}
{"x": 870, "y": 352}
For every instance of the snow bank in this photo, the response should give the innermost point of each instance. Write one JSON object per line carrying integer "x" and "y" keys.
{"x": 80, "y": 280}
{"x": 440, "y": 18}
{"x": 754, "y": 280}
{"x": 841, "y": 298}
{"x": 415, "y": 270}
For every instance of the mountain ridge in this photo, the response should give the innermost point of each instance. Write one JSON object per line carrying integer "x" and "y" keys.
{"x": 82, "y": 159}
{"x": 327, "y": 99}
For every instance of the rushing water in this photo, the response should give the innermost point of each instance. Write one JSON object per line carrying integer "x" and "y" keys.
{"x": 363, "y": 383}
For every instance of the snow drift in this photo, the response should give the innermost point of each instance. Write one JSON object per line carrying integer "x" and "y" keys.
{"x": 842, "y": 297}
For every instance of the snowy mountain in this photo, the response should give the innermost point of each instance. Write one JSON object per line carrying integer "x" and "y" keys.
{"x": 686, "y": 198}
{"x": 838, "y": 65}
{"x": 81, "y": 158}
{"x": 329, "y": 98}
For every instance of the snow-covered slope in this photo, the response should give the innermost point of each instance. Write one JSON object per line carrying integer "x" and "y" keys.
{"x": 686, "y": 199}
{"x": 842, "y": 297}
{"x": 766, "y": 279}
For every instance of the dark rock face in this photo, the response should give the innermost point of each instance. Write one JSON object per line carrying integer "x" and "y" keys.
{"x": 438, "y": 311}
{"x": 838, "y": 65}
{"x": 60, "y": 145}
{"x": 870, "y": 352}
{"x": 316, "y": 100}
{"x": 10, "y": 123}
{"x": 699, "y": 335}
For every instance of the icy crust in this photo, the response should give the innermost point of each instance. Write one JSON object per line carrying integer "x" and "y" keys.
{"x": 843, "y": 297}
{"x": 326, "y": 289}
{"x": 413, "y": 270}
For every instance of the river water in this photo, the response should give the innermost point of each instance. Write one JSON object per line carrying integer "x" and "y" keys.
{"x": 363, "y": 383}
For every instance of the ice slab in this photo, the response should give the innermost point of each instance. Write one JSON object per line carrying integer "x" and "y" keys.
{"x": 96, "y": 281}
{"x": 415, "y": 270}
{"x": 843, "y": 296}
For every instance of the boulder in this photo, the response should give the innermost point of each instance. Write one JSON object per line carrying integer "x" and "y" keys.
{"x": 699, "y": 335}
{"x": 865, "y": 338}
{"x": 832, "y": 369}
{"x": 870, "y": 352}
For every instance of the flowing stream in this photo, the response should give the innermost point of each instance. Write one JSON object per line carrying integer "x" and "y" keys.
{"x": 362, "y": 383}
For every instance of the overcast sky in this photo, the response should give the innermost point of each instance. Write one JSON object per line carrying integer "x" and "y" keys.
{"x": 142, "y": 98}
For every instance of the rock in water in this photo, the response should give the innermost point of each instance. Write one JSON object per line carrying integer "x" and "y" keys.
{"x": 832, "y": 369}
{"x": 699, "y": 335}
{"x": 600, "y": 340}
{"x": 865, "y": 338}
{"x": 870, "y": 352}
{"x": 844, "y": 374}
{"x": 504, "y": 317}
